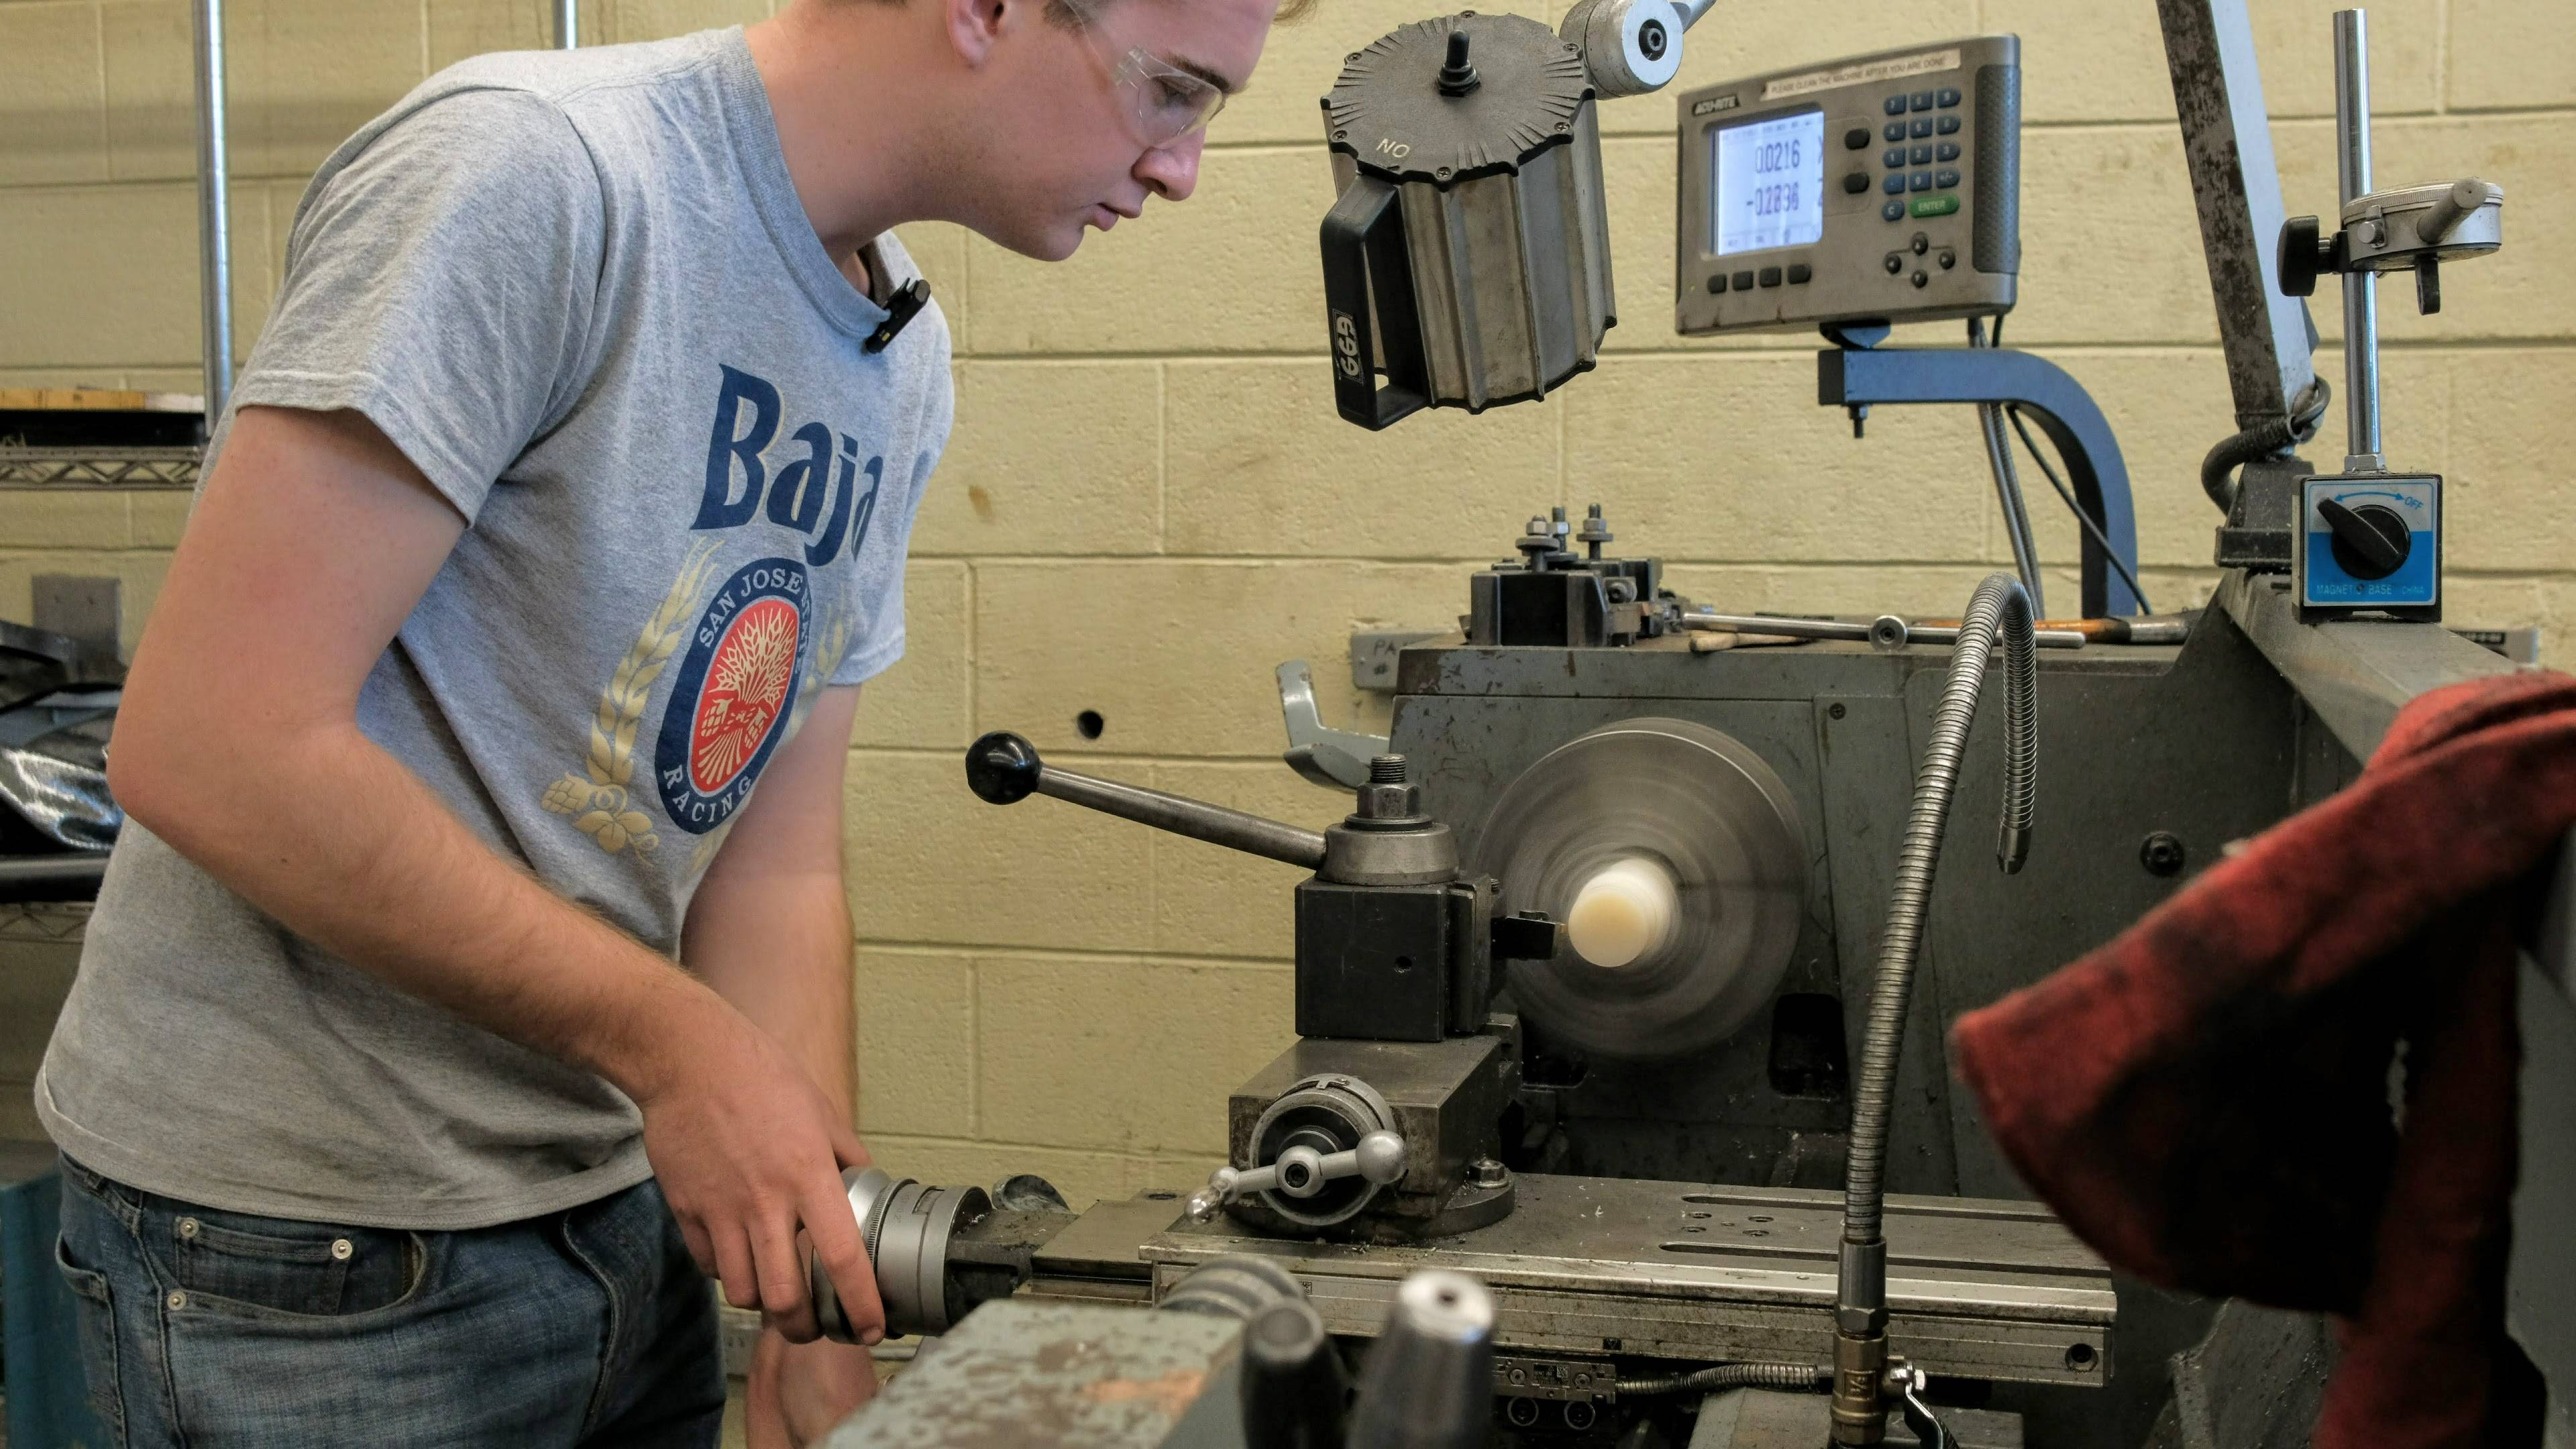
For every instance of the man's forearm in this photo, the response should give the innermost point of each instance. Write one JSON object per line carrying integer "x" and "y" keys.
{"x": 335, "y": 839}
{"x": 778, "y": 949}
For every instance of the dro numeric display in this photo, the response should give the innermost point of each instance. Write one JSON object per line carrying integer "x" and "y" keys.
{"x": 1767, "y": 184}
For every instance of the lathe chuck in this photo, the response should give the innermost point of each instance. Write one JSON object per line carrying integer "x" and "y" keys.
{"x": 1706, "y": 811}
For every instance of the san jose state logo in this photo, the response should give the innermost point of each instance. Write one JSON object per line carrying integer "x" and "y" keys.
{"x": 736, "y": 687}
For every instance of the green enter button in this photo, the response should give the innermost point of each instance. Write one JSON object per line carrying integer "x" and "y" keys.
{"x": 1941, "y": 205}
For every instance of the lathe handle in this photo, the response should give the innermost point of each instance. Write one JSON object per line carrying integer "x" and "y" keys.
{"x": 1301, "y": 1172}
{"x": 1363, "y": 241}
{"x": 1003, "y": 768}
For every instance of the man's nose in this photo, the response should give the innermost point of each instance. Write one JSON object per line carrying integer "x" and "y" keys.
{"x": 1172, "y": 172}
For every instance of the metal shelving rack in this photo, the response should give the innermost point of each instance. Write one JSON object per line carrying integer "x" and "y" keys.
{"x": 137, "y": 468}
{"x": 45, "y": 923}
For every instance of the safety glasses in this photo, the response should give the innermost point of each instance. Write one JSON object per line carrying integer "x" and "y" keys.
{"x": 1163, "y": 102}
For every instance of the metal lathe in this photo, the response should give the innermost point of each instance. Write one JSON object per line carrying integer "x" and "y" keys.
{"x": 1620, "y": 1112}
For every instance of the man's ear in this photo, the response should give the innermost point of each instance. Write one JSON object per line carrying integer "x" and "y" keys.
{"x": 974, "y": 26}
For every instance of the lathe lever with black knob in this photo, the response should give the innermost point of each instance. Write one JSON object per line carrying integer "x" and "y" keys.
{"x": 1003, "y": 769}
{"x": 1386, "y": 841}
{"x": 1385, "y": 899}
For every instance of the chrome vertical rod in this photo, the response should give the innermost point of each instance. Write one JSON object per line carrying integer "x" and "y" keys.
{"x": 567, "y": 24}
{"x": 2360, "y": 288}
{"x": 214, "y": 220}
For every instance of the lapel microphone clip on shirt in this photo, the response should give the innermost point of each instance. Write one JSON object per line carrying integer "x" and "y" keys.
{"x": 902, "y": 307}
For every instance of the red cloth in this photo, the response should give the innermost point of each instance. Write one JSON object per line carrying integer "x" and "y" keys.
{"x": 2207, "y": 1099}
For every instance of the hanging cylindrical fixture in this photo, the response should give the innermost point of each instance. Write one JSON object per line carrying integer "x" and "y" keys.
{"x": 1467, "y": 257}
{"x": 214, "y": 222}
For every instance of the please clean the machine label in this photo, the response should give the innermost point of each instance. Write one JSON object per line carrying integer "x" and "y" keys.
{"x": 1860, "y": 73}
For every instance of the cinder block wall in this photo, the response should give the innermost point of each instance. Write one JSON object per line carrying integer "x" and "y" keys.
{"x": 1149, "y": 502}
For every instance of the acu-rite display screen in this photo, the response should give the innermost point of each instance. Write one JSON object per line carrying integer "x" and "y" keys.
{"x": 1768, "y": 183}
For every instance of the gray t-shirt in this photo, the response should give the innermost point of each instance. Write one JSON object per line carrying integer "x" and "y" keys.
{"x": 579, "y": 292}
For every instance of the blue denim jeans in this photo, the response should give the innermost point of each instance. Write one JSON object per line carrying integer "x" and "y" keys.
{"x": 210, "y": 1329}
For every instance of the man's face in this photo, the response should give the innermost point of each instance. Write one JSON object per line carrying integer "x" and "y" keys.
{"x": 1075, "y": 140}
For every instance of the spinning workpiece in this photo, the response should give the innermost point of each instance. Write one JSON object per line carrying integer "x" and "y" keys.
{"x": 1677, "y": 861}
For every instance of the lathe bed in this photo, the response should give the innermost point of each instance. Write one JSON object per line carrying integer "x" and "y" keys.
{"x": 1600, "y": 1268}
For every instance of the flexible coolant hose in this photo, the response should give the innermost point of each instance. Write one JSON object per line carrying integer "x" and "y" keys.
{"x": 2000, "y": 607}
{"x": 1794, "y": 1377}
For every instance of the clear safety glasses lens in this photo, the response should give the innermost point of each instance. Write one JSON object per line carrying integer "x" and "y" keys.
{"x": 1164, "y": 102}
{"x": 1167, "y": 101}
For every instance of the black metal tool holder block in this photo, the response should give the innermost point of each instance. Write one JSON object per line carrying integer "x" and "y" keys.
{"x": 1561, "y": 600}
{"x": 1395, "y": 963}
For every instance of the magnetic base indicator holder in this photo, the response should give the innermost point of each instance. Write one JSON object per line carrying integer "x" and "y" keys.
{"x": 2370, "y": 543}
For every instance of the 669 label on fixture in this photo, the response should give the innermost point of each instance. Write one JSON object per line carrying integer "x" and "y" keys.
{"x": 1346, "y": 345}
{"x": 2370, "y": 543}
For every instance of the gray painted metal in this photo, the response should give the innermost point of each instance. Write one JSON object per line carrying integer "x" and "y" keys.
{"x": 1445, "y": 1097}
{"x": 1842, "y": 724}
{"x": 2253, "y": 1383}
{"x": 1978, "y": 1289}
{"x": 2554, "y": 945}
{"x": 1062, "y": 1375}
{"x": 1374, "y": 652}
{"x": 2227, "y": 146}
{"x": 2540, "y": 1278}
{"x": 2355, "y": 674}
{"x": 214, "y": 216}
{"x": 1095, "y": 1258}
{"x": 1768, "y": 1419}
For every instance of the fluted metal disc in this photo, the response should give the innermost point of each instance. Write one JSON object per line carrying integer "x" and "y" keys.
{"x": 1706, "y": 808}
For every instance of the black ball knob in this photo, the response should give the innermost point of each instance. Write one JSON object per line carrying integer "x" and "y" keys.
{"x": 1002, "y": 768}
{"x": 2370, "y": 542}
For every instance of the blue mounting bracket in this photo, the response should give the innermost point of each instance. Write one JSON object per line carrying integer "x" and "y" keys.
{"x": 1862, "y": 377}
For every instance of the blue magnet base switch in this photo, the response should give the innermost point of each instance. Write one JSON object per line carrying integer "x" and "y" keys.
{"x": 2371, "y": 543}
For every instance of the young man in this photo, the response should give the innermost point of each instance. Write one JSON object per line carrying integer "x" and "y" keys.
{"x": 564, "y": 498}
